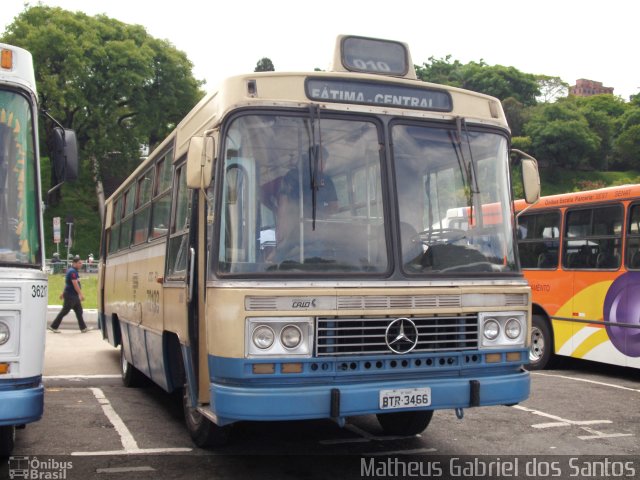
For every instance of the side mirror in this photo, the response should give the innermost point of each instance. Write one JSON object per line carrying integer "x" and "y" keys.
{"x": 200, "y": 161}
{"x": 530, "y": 177}
{"x": 65, "y": 154}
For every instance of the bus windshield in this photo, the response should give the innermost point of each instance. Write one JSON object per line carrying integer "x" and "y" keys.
{"x": 302, "y": 194}
{"x": 453, "y": 200}
{"x": 19, "y": 229}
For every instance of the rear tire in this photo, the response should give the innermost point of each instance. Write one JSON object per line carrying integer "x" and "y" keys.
{"x": 7, "y": 440}
{"x": 203, "y": 432}
{"x": 131, "y": 376}
{"x": 405, "y": 423}
{"x": 541, "y": 350}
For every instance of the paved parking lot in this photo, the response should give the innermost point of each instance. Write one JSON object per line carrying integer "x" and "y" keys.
{"x": 108, "y": 431}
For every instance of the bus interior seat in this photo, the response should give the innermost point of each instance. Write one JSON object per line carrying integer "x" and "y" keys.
{"x": 546, "y": 260}
{"x": 607, "y": 260}
{"x": 635, "y": 260}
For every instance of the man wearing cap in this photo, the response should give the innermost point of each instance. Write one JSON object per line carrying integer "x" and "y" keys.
{"x": 72, "y": 296}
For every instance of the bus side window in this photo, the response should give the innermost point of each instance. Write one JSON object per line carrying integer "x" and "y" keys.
{"x": 633, "y": 238}
{"x": 179, "y": 238}
{"x": 538, "y": 240}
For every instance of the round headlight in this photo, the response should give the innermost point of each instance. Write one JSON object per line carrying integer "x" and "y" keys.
{"x": 513, "y": 329}
{"x": 491, "y": 329}
{"x": 5, "y": 333}
{"x": 263, "y": 337}
{"x": 291, "y": 336}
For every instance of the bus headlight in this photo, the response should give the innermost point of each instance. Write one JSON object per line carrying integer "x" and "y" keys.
{"x": 502, "y": 329}
{"x": 491, "y": 329}
{"x": 279, "y": 336}
{"x": 263, "y": 337}
{"x": 291, "y": 336}
{"x": 5, "y": 333}
{"x": 513, "y": 329}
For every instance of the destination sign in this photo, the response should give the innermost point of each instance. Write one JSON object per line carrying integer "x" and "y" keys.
{"x": 373, "y": 93}
{"x": 371, "y": 55}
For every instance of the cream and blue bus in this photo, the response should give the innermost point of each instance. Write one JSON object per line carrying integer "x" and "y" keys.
{"x": 23, "y": 281}
{"x": 283, "y": 253}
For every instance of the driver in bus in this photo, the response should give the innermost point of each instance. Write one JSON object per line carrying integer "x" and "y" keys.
{"x": 287, "y": 199}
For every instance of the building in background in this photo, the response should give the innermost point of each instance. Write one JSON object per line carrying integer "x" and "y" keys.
{"x": 586, "y": 88}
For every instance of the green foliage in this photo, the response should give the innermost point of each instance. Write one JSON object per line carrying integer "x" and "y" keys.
{"x": 562, "y": 180}
{"x": 114, "y": 84}
{"x": 551, "y": 88}
{"x": 497, "y": 80}
{"x": 265, "y": 65}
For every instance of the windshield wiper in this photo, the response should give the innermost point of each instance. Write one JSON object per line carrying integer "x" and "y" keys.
{"x": 316, "y": 160}
{"x": 469, "y": 174}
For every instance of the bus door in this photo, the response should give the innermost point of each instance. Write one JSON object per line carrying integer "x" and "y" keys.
{"x": 592, "y": 252}
{"x": 178, "y": 309}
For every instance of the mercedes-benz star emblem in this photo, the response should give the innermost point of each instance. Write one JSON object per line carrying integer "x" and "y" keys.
{"x": 401, "y": 335}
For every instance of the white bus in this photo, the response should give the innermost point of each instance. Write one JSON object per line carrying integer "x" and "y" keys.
{"x": 23, "y": 282}
{"x": 281, "y": 255}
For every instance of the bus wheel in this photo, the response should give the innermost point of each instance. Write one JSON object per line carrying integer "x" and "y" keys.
{"x": 131, "y": 376}
{"x": 7, "y": 440}
{"x": 541, "y": 343}
{"x": 404, "y": 423}
{"x": 203, "y": 432}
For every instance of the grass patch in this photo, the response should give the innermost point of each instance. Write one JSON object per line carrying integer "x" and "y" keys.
{"x": 560, "y": 180}
{"x": 89, "y": 288}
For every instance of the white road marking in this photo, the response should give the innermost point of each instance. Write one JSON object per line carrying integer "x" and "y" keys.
{"x": 637, "y": 390}
{"x": 125, "y": 469}
{"x": 129, "y": 444}
{"x": 559, "y": 421}
{"x": 78, "y": 377}
{"x": 364, "y": 437}
{"x": 417, "y": 451}
{"x": 563, "y": 422}
{"x": 596, "y": 434}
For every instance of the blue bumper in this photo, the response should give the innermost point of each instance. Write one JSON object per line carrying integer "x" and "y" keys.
{"x": 19, "y": 404}
{"x": 299, "y": 401}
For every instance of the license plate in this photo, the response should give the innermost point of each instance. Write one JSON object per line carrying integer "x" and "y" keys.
{"x": 405, "y": 398}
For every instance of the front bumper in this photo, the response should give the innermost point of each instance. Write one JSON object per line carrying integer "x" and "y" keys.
{"x": 20, "y": 405}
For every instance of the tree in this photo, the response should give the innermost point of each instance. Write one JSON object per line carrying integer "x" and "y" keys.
{"x": 551, "y": 88}
{"x": 441, "y": 71}
{"x": 114, "y": 84}
{"x": 626, "y": 147}
{"x": 265, "y": 65}
{"x": 515, "y": 113}
{"x": 498, "y": 81}
{"x": 561, "y": 135}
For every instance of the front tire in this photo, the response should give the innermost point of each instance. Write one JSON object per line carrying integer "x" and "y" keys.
{"x": 541, "y": 350}
{"x": 7, "y": 440}
{"x": 203, "y": 432}
{"x": 405, "y": 423}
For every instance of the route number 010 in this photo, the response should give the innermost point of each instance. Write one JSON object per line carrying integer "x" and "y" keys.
{"x": 371, "y": 65}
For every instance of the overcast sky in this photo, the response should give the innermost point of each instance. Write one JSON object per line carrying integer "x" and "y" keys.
{"x": 565, "y": 38}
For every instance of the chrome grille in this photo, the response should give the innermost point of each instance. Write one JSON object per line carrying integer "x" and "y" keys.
{"x": 366, "y": 336}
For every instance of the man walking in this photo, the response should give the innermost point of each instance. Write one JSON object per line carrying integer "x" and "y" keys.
{"x": 72, "y": 296}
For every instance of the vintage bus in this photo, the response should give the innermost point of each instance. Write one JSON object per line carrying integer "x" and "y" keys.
{"x": 23, "y": 282}
{"x": 581, "y": 254}
{"x": 282, "y": 254}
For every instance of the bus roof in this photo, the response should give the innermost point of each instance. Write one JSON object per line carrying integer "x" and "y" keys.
{"x": 16, "y": 67}
{"x": 281, "y": 89}
{"x": 368, "y": 75}
{"x": 621, "y": 192}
